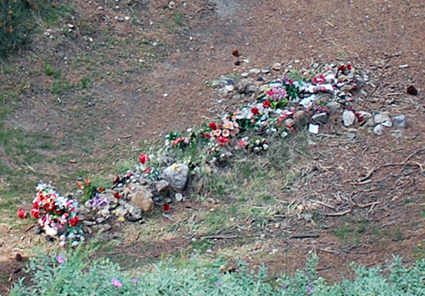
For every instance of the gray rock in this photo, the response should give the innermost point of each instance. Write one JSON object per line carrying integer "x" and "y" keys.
{"x": 387, "y": 123}
{"x": 366, "y": 115}
{"x": 352, "y": 133}
{"x": 101, "y": 228}
{"x": 370, "y": 122}
{"x": 379, "y": 130}
{"x": 381, "y": 117}
{"x": 250, "y": 88}
{"x": 135, "y": 213}
{"x": 334, "y": 107}
{"x": 348, "y": 117}
{"x": 321, "y": 118}
{"x": 400, "y": 120}
{"x": 254, "y": 71}
{"x": 162, "y": 187}
{"x": 176, "y": 175}
{"x": 396, "y": 133}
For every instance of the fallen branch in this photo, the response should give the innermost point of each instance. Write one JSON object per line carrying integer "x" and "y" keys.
{"x": 336, "y": 214}
{"x": 219, "y": 237}
{"x": 305, "y": 235}
{"x": 324, "y": 204}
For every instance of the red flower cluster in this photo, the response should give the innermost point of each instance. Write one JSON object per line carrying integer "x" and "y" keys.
{"x": 222, "y": 141}
{"x": 143, "y": 158}
{"x": 213, "y": 126}
{"x": 319, "y": 79}
{"x": 342, "y": 68}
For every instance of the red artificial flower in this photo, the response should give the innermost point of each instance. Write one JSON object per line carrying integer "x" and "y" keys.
{"x": 349, "y": 67}
{"x": 341, "y": 68}
{"x": 22, "y": 214}
{"x": 74, "y": 221}
{"x": 290, "y": 81}
{"x": 35, "y": 213}
{"x": 143, "y": 158}
{"x": 35, "y": 205}
{"x": 117, "y": 195}
{"x": 87, "y": 182}
{"x": 80, "y": 186}
{"x": 147, "y": 171}
{"x": 255, "y": 110}
{"x": 213, "y": 125}
{"x": 208, "y": 136}
{"x": 319, "y": 79}
{"x": 100, "y": 189}
{"x": 266, "y": 104}
{"x": 116, "y": 180}
{"x": 222, "y": 141}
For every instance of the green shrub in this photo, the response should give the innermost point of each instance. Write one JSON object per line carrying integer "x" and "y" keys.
{"x": 79, "y": 276}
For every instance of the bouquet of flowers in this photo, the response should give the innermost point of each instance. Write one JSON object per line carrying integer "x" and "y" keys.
{"x": 56, "y": 214}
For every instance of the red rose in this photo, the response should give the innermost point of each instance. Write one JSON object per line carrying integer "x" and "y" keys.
{"x": 116, "y": 180}
{"x": 22, "y": 214}
{"x": 117, "y": 195}
{"x": 349, "y": 67}
{"x": 266, "y": 104}
{"x": 35, "y": 205}
{"x": 255, "y": 110}
{"x": 147, "y": 171}
{"x": 74, "y": 221}
{"x": 100, "y": 189}
{"x": 35, "y": 213}
{"x": 143, "y": 158}
{"x": 341, "y": 68}
{"x": 213, "y": 125}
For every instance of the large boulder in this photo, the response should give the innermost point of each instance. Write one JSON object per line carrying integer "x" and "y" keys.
{"x": 176, "y": 175}
{"x": 142, "y": 197}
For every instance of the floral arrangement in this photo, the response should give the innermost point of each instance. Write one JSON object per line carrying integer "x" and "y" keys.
{"x": 55, "y": 214}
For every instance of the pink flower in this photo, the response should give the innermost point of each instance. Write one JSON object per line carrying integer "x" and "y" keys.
{"x": 143, "y": 158}
{"x": 60, "y": 259}
{"x": 226, "y": 133}
{"x": 241, "y": 143}
{"x": 116, "y": 282}
{"x": 135, "y": 281}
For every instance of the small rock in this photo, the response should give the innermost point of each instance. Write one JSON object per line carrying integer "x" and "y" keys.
{"x": 179, "y": 197}
{"x": 101, "y": 228}
{"x": 366, "y": 115}
{"x": 400, "y": 120}
{"x": 379, "y": 130}
{"x": 176, "y": 175}
{"x": 370, "y": 122}
{"x": 254, "y": 71}
{"x": 334, "y": 106}
{"x": 321, "y": 118}
{"x": 121, "y": 211}
{"x": 387, "y": 123}
{"x": 352, "y": 133}
{"x": 411, "y": 90}
{"x": 348, "y": 117}
{"x": 396, "y": 133}
{"x": 277, "y": 66}
{"x": 250, "y": 88}
{"x": 381, "y": 117}
{"x": 301, "y": 119}
{"x": 162, "y": 187}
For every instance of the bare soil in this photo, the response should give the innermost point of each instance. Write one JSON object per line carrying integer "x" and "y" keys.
{"x": 137, "y": 93}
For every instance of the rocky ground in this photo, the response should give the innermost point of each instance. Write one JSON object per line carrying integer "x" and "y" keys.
{"x": 350, "y": 177}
